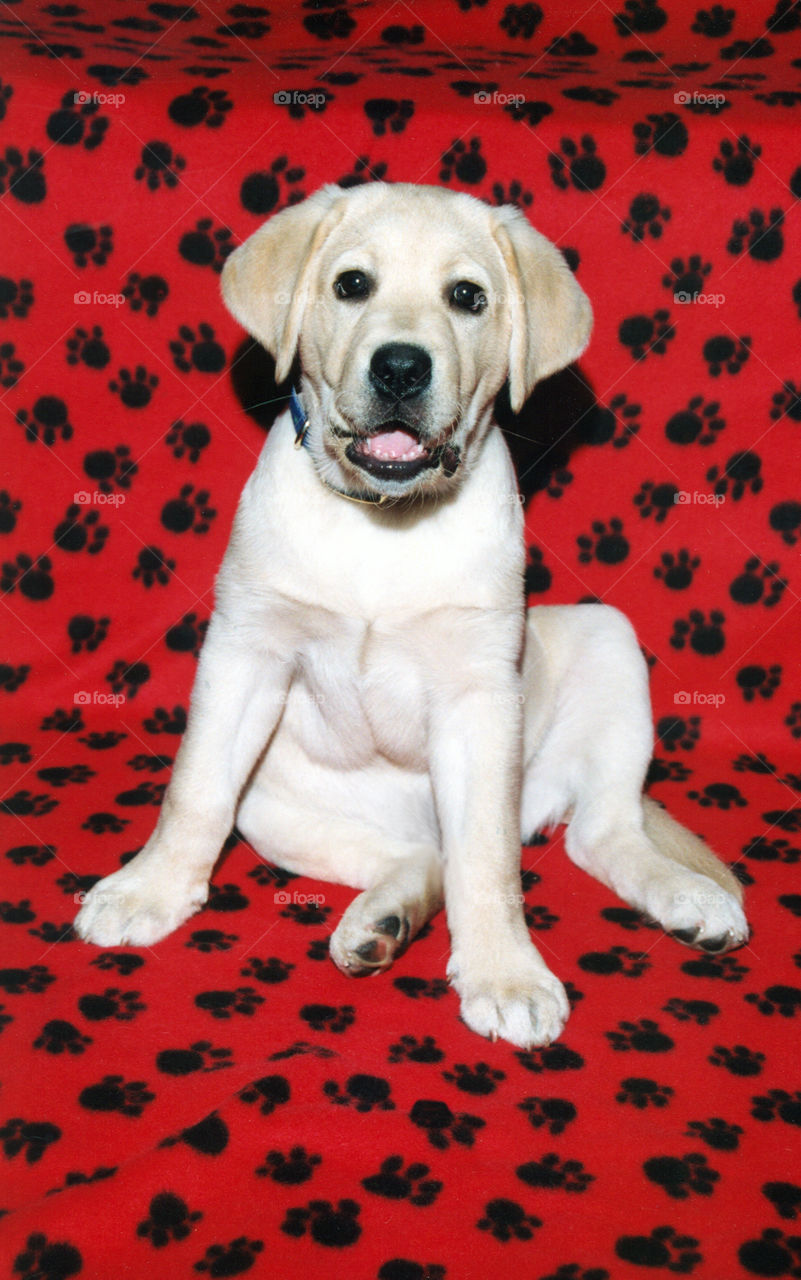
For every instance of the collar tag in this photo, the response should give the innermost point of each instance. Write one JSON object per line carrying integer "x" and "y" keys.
{"x": 300, "y": 419}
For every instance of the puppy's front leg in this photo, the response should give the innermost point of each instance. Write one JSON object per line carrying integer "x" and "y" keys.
{"x": 506, "y": 989}
{"x": 236, "y": 702}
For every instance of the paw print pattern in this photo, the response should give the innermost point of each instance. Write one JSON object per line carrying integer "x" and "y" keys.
{"x": 736, "y": 160}
{"x": 507, "y": 1220}
{"x": 677, "y": 570}
{"x": 442, "y": 1126}
{"x": 706, "y": 636}
{"x": 577, "y": 164}
{"x": 778, "y": 1105}
{"x": 87, "y": 347}
{"x": 793, "y": 720}
{"x": 225, "y": 1004}
{"x": 714, "y": 23}
{"x": 89, "y": 244}
{"x": 114, "y": 1093}
{"x": 699, "y": 423}
{"x": 231, "y": 1259}
{"x": 685, "y": 280}
{"x": 617, "y": 960}
{"x": 110, "y": 469}
{"x": 642, "y": 1093}
{"x": 22, "y": 177}
{"x": 135, "y": 390}
{"x": 388, "y": 113}
{"x": 681, "y": 1177}
{"x": 328, "y": 1225}
{"x": 206, "y": 245}
{"x": 9, "y": 510}
{"x": 553, "y": 1114}
{"x": 716, "y": 1133}
{"x": 758, "y": 582}
{"x": 742, "y": 474}
{"x": 464, "y": 161}
{"x": 11, "y": 369}
{"x": 188, "y": 439}
{"x": 774, "y": 1254}
{"x": 289, "y": 1170}
{"x": 263, "y": 192}
{"x": 59, "y": 1037}
{"x": 662, "y": 132}
{"x": 159, "y": 166}
{"x": 640, "y": 16}
{"x": 271, "y": 972}
{"x": 169, "y": 1219}
{"x": 33, "y": 577}
{"x": 552, "y": 1173}
{"x": 719, "y": 795}
{"x": 645, "y": 335}
{"x": 479, "y": 1080}
{"x": 616, "y": 424}
{"x": 515, "y": 193}
{"x": 268, "y": 1093}
{"x": 200, "y": 106}
{"x": 761, "y": 235}
{"x": 47, "y": 421}
{"x": 643, "y": 1036}
{"x": 787, "y": 403}
{"x": 411, "y": 1183}
{"x": 724, "y": 352}
{"x": 200, "y": 1056}
{"x": 326, "y": 1017}
{"x": 739, "y": 1060}
{"x": 16, "y": 297}
{"x": 363, "y": 1092}
{"x": 607, "y": 544}
{"x": 646, "y": 216}
{"x": 784, "y": 1000}
{"x": 152, "y": 566}
{"x": 86, "y": 633}
{"x": 656, "y": 500}
{"x": 77, "y": 122}
{"x": 44, "y": 1259}
{"x": 410, "y": 1049}
{"x": 80, "y": 530}
{"x": 187, "y": 635}
{"x": 145, "y": 293}
{"x": 122, "y": 1006}
{"x": 200, "y": 350}
{"x": 664, "y": 1247}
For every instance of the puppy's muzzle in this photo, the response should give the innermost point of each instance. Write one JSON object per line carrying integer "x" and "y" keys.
{"x": 399, "y": 371}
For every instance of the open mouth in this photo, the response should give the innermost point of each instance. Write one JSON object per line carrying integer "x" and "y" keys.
{"x": 395, "y": 452}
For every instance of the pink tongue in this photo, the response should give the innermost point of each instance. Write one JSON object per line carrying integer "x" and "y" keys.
{"x": 393, "y": 444}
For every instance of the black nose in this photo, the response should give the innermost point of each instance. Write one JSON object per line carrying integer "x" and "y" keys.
{"x": 399, "y": 370}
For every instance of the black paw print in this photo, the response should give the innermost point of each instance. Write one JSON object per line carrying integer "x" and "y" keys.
{"x": 442, "y": 1126}
{"x": 718, "y": 968}
{"x": 656, "y": 500}
{"x": 644, "y": 334}
{"x": 760, "y": 235}
{"x": 507, "y": 1220}
{"x": 9, "y": 509}
{"x": 419, "y": 988}
{"x": 326, "y": 1017}
{"x": 200, "y": 1056}
{"x": 169, "y": 1218}
{"x": 736, "y": 160}
{"x": 135, "y": 389}
{"x": 44, "y": 1259}
{"x": 101, "y": 823}
{"x": 519, "y": 19}
{"x": 20, "y": 912}
{"x": 268, "y": 1092}
{"x": 163, "y": 721}
{"x": 28, "y": 1136}
{"x": 778, "y": 1105}
{"x": 553, "y": 1057}
{"x": 410, "y": 1049}
{"x": 153, "y": 565}
{"x": 11, "y": 369}
{"x": 207, "y": 245}
{"x": 646, "y": 214}
{"x": 86, "y": 632}
{"x": 719, "y": 795}
{"x": 643, "y": 1036}
{"x": 80, "y": 530}
{"x": 326, "y": 1224}
{"x": 793, "y": 720}
{"x": 685, "y": 280}
{"x": 664, "y": 1247}
{"x": 309, "y": 913}
{"x": 159, "y": 165}
{"x": 643, "y": 16}
{"x": 145, "y": 293}
{"x": 363, "y": 1092}
{"x": 780, "y": 999}
{"x": 388, "y": 113}
{"x": 261, "y": 193}
{"x": 705, "y": 636}
{"x": 617, "y": 960}
{"x": 773, "y": 1254}
{"x": 23, "y": 178}
{"x": 187, "y": 635}
{"x": 643, "y": 1093}
{"x": 555, "y": 1174}
{"x": 676, "y": 571}
{"x": 785, "y": 519}
{"x": 197, "y": 350}
{"x": 577, "y": 164}
{"x": 785, "y": 1198}
{"x": 741, "y": 474}
{"x": 364, "y": 171}
{"x": 58, "y": 1036}
{"x": 68, "y": 126}
{"x": 190, "y": 510}
{"x": 208, "y": 940}
{"x": 110, "y": 469}
{"x": 787, "y": 402}
{"x": 662, "y": 132}
{"x": 270, "y": 971}
{"x": 714, "y": 23}
{"x": 538, "y": 576}
{"x": 607, "y": 543}
{"x": 716, "y": 1133}
{"x": 723, "y": 352}
{"x": 35, "y": 979}
{"x": 515, "y": 193}
{"x": 682, "y": 1176}
{"x": 200, "y": 106}
{"x": 63, "y": 775}
{"x": 123, "y": 1006}
{"x": 224, "y": 1004}
{"x": 88, "y": 348}
{"x": 89, "y": 244}
{"x": 616, "y": 424}
{"x": 398, "y": 1183}
{"x": 47, "y": 421}
{"x": 63, "y": 721}
{"x": 31, "y": 576}
{"x": 289, "y": 1170}
{"x": 230, "y": 1259}
{"x": 16, "y": 297}
{"x": 188, "y": 439}
{"x": 553, "y": 1114}
{"x": 465, "y": 162}
{"x": 758, "y": 582}
{"x": 479, "y": 1080}
{"x": 739, "y": 1060}
{"x": 114, "y": 1093}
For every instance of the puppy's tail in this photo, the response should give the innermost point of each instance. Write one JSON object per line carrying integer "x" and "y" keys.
{"x": 677, "y": 842}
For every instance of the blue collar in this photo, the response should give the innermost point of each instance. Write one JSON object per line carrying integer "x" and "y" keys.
{"x": 300, "y": 419}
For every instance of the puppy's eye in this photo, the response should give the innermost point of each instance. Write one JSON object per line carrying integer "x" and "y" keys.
{"x": 352, "y": 284}
{"x": 468, "y": 296}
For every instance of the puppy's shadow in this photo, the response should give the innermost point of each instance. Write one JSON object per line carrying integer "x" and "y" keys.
{"x": 253, "y": 381}
{"x": 560, "y": 415}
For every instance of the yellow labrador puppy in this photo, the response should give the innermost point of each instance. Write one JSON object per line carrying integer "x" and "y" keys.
{"x": 373, "y": 705}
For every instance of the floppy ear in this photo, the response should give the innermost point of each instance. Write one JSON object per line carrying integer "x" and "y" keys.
{"x": 550, "y": 312}
{"x": 266, "y": 281}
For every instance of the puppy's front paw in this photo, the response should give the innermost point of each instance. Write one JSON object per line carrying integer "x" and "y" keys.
{"x": 137, "y": 907}
{"x": 524, "y": 1004}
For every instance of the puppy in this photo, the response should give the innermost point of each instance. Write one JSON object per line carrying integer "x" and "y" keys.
{"x": 373, "y": 704}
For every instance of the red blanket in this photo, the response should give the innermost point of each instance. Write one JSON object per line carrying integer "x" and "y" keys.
{"x": 228, "y": 1102}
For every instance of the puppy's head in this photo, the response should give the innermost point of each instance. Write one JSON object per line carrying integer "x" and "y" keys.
{"x": 409, "y": 307}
